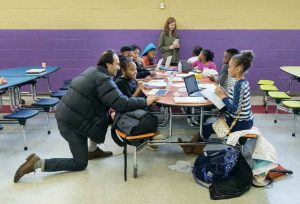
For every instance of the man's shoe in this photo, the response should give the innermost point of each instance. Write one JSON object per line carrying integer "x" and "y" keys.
{"x": 27, "y": 167}
{"x": 99, "y": 153}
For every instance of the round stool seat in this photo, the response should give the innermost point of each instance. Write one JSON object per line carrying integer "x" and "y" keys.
{"x": 265, "y": 82}
{"x": 268, "y": 88}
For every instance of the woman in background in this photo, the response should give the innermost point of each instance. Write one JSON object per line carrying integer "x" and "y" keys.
{"x": 168, "y": 43}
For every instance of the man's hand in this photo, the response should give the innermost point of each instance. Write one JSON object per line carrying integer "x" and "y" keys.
{"x": 151, "y": 99}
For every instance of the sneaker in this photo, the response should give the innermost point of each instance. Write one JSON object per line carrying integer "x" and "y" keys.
{"x": 99, "y": 153}
{"x": 153, "y": 147}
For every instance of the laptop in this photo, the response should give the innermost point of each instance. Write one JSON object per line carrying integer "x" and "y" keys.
{"x": 192, "y": 86}
{"x": 159, "y": 64}
{"x": 168, "y": 63}
{"x": 162, "y": 92}
{"x": 186, "y": 66}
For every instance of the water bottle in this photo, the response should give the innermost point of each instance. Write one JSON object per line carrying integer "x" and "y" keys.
{"x": 179, "y": 67}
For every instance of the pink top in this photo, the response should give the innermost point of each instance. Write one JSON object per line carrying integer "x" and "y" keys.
{"x": 200, "y": 65}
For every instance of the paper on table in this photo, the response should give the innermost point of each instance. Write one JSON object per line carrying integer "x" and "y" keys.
{"x": 179, "y": 85}
{"x": 176, "y": 79}
{"x": 209, "y": 93}
{"x": 181, "y": 75}
{"x": 157, "y": 85}
{"x": 206, "y": 86}
{"x": 189, "y": 100}
{"x": 183, "y": 89}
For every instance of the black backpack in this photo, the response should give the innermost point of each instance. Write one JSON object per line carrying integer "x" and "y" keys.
{"x": 133, "y": 123}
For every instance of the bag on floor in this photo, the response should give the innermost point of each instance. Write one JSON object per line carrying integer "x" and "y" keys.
{"x": 136, "y": 122}
{"x": 236, "y": 184}
{"x": 212, "y": 166}
{"x": 278, "y": 172}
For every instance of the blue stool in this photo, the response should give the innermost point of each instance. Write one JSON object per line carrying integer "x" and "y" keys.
{"x": 68, "y": 81}
{"x": 65, "y": 87}
{"x": 21, "y": 116}
{"x": 46, "y": 104}
{"x": 58, "y": 94}
{"x": 1, "y": 127}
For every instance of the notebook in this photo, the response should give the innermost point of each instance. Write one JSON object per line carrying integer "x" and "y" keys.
{"x": 192, "y": 86}
{"x": 162, "y": 92}
{"x": 210, "y": 94}
{"x": 35, "y": 71}
{"x": 189, "y": 100}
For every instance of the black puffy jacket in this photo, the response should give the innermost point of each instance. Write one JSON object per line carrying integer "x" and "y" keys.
{"x": 85, "y": 105}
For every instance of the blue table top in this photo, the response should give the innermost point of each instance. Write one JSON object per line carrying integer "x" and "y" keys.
{"x": 21, "y": 71}
{"x": 17, "y": 76}
{"x": 13, "y": 81}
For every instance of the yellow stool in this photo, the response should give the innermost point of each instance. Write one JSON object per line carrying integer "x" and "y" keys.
{"x": 277, "y": 97}
{"x": 265, "y": 82}
{"x": 266, "y": 89}
{"x": 294, "y": 106}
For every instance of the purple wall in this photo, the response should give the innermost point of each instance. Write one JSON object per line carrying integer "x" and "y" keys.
{"x": 74, "y": 50}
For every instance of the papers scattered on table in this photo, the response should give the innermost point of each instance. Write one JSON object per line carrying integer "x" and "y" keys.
{"x": 209, "y": 93}
{"x": 35, "y": 71}
{"x": 189, "y": 100}
{"x": 210, "y": 72}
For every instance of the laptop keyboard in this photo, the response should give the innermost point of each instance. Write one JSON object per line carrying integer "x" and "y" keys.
{"x": 160, "y": 92}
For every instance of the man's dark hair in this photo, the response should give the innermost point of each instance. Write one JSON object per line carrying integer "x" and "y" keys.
{"x": 106, "y": 57}
{"x": 125, "y": 48}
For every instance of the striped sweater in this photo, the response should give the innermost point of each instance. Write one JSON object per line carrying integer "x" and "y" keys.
{"x": 239, "y": 98}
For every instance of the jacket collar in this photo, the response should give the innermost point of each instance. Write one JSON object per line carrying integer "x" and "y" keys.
{"x": 103, "y": 70}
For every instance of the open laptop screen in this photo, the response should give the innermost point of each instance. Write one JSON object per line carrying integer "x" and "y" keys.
{"x": 191, "y": 84}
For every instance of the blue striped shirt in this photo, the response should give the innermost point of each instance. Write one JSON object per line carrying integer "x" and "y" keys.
{"x": 239, "y": 98}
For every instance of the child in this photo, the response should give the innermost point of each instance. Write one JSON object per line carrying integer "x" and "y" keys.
{"x": 141, "y": 73}
{"x": 128, "y": 84}
{"x": 168, "y": 43}
{"x": 195, "y": 53}
{"x": 125, "y": 51}
{"x": 149, "y": 55}
{"x": 237, "y": 102}
{"x": 225, "y": 80}
{"x": 205, "y": 59}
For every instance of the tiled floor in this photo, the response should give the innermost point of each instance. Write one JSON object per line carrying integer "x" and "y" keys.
{"x": 102, "y": 181}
